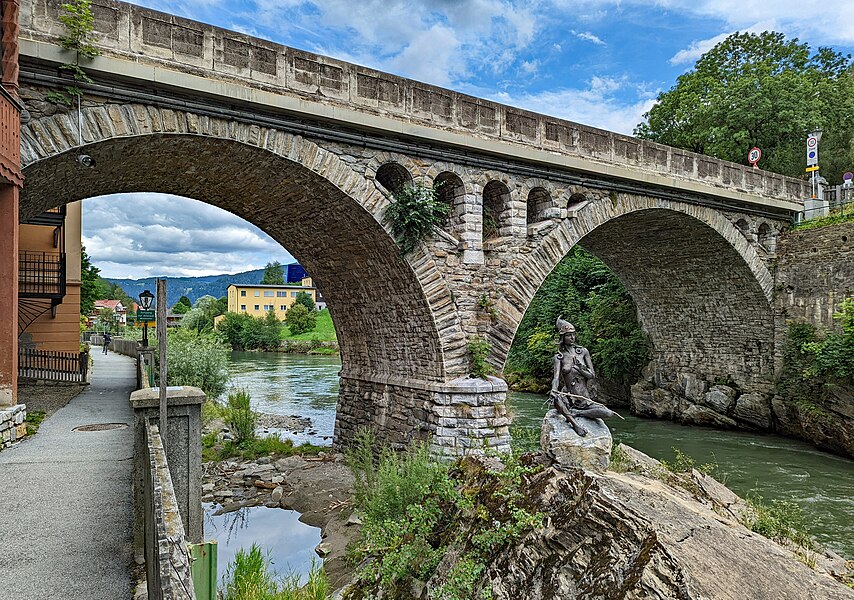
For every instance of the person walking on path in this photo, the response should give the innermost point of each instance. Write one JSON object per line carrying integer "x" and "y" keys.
{"x": 107, "y": 340}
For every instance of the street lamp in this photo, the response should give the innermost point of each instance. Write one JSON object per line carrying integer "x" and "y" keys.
{"x": 145, "y": 300}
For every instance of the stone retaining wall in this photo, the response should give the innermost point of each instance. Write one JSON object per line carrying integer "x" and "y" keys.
{"x": 12, "y": 425}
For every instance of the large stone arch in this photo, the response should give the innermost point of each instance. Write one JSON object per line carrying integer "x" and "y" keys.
{"x": 702, "y": 291}
{"x": 399, "y": 336}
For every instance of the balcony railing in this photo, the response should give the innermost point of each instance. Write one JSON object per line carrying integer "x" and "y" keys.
{"x": 41, "y": 274}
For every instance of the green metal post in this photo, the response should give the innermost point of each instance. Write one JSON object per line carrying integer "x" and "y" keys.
{"x": 203, "y": 569}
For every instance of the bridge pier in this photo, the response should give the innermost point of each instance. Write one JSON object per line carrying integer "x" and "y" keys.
{"x": 460, "y": 416}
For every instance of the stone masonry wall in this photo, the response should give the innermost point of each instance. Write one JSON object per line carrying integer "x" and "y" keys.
{"x": 815, "y": 273}
{"x": 12, "y": 425}
{"x": 464, "y": 414}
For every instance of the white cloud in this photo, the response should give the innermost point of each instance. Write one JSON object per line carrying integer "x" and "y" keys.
{"x": 700, "y": 47}
{"x": 587, "y": 36}
{"x": 140, "y": 235}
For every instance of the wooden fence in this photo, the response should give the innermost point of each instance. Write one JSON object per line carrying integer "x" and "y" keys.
{"x": 49, "y": 365}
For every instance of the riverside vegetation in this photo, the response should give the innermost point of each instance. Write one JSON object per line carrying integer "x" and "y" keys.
{"x": 585, "y": 291}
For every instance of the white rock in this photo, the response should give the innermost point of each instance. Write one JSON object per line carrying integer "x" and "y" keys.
{"x": 559, "y": 441}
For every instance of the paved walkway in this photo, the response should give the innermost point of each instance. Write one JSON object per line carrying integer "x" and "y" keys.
{"x": 66, "y": 507}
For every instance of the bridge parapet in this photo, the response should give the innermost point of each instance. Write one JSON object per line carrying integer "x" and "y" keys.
{"x": 331, "y": 89}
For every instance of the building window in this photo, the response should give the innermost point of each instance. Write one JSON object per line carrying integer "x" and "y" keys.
{"x": 269, "y": 294}
{"x": 257, "y": 294}
{"x": 242, "y": 307}
{"x": 268, "y": 307}
{"x": 281, "y": 294}
{"x": 294, "y": 294}
{"x": 256, "y": 307}
{"x": 283, "y": 307}
{"x": 243, "y": 293}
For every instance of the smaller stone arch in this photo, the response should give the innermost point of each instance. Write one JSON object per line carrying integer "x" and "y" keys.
{"x": 496, "y": 209}
{"x": 393, "y": 177}
{"x": 539, "y": 205}
{"x": 744, "y": 227}
{"x": 451, "y": 190}
{"x": 575, "y": 200}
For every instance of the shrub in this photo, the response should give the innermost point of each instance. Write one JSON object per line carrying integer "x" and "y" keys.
{"x": 304, "y": 298}
{"x": 198, "y": 360}
{"x": 250, "y": 577}
{"x": 300, "y": 319}
{"x": 240, "y": 417}
{"x": 414, "y": 213}
{"x": 479, "y": 350}
{"x": 778, "y": 520}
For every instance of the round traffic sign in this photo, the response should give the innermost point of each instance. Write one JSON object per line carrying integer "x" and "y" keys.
{"x": 754, "y": 155}
{"x": 812, "y": 142}
{"x": 847, "y": 176}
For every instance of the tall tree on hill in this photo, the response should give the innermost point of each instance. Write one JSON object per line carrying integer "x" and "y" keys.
{"x": 761, "y": 90}
{"x": 88, "y": 283}
{"x": 183, "y": 306}
{"x": 305, "y": 299}
{"x": 274, "y": 274}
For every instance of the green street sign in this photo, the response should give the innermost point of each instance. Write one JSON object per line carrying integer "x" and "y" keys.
{"x": 145, "y": 316}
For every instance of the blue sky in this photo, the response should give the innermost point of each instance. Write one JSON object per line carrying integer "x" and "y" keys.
{"x": 598, "y": 62}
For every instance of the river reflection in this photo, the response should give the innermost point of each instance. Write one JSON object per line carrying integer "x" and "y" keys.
{"x": 772, "y": 466}
{"x": 290, "y": 542}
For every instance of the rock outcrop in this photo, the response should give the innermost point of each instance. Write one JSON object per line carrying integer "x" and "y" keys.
{"x": 567, "y": 449}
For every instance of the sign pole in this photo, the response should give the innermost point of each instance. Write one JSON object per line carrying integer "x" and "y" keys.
{"x": 161, "y": 347}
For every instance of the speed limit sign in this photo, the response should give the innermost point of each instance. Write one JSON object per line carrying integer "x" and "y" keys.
{"x": 754, "y": 155}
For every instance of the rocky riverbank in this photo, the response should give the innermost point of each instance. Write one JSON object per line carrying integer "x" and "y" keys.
{"x": 319, "y": 487}
{"x": 641, "y": 531}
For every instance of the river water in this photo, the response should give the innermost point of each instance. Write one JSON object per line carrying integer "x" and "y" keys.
{"x": 771, "y": 466}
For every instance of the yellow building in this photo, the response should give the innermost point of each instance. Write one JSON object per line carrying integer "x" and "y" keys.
{"x": 258, "y": 299}
{"x": 49, "y": 280}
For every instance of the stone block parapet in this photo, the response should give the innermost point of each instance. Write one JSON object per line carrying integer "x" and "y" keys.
{"x": 167, "y": 558}
{"x": 12, "y": 424}
{"x": 180, "y": 53}
{"x": 183, "y": 453}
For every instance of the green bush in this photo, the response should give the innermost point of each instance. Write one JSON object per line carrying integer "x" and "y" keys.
{"x": 196, "y": 359}
{"x": 778, "y": 520}
{"x": 479, "y": 350}
{"x": 414, "y": 213}
{"x": 834, "y": 355}
{"x": 300, "y": 319}
{"x": 245, "y": 332}
{"x": 240, "y": 417}
{"x": 304, "y": 298}
{"x": 587, "y": 293}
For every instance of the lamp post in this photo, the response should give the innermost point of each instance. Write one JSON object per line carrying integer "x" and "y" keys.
{"x": 145, "y": 300}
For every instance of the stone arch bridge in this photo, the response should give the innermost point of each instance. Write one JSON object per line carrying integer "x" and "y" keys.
{"x": 309, "y": 148}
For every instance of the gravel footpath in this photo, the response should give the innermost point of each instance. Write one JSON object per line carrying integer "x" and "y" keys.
{"x": 47, "y": 398}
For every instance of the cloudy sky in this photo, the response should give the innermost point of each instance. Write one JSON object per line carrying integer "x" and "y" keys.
{"x": 598, "y": 62}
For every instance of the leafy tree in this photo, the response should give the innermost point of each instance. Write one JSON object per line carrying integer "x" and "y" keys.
{"x": 587, "y": 293}
{"x": 245, "y": 332}
{"x": 761, "y": 90}
{"x": 201, "y": 317}
{"x": 274, "y": 274}
{"x": 300, "y": 319}
{"x": 107, "y": 319}
{"x": 180, "y": 308}
{"x": 185, "y": 301}
{"x": 304, "y": 298}
{"x": 232, "y": 327}
{"x": 88, "y": 283}
{"x": 222, "y": 305}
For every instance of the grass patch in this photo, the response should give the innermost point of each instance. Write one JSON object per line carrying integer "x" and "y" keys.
{"x": 34, "y": 420}
{"x": 782, "y": 521}
{"x": 834, "y": 218}
{"x": 324, "y": 329}
{"x": 250, "y": 576}
{"x": 273, "y": 446}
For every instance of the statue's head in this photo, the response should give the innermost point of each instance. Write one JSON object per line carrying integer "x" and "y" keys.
{"x": 564, "y": 326}
{"x": 565, "y": 331}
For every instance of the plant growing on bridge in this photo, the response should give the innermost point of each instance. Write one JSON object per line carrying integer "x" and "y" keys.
{"x": 479, "y": 349}
{"x": 79, "y": 24}
{"x": 415, "y": 213}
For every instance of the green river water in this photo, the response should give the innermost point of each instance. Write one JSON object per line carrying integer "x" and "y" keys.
{"x": 771, "y": 466}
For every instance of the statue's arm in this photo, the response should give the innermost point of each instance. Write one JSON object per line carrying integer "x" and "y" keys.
{"x": 556, "y": 376}
{"x": 585, "y": 365}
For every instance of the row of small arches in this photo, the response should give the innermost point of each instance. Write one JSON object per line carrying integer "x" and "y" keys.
{"x": 764, "y": 234}
{"x": 496, "y": 199}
